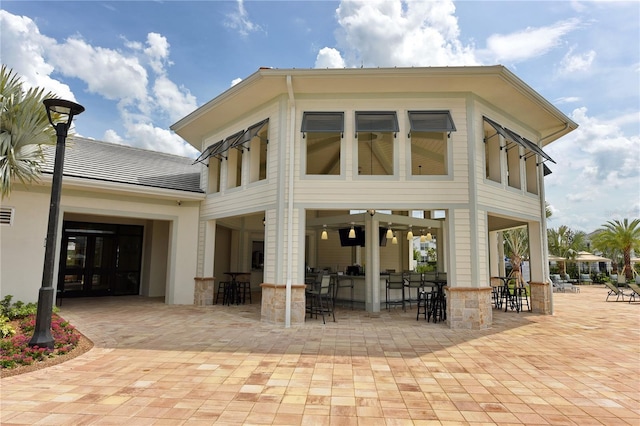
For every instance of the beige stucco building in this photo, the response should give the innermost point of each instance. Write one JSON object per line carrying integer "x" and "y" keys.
{"x": 128, "y": 224}
{"x": 455, "y": 152}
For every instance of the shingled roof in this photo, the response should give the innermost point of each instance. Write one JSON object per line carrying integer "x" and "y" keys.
{"x": 103, "y": 161}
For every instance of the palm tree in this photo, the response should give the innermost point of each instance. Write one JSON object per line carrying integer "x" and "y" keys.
{"x": 620, "y": 235}
{"x": 517, "y": 249}
{"x": 565, "y": 242}
{"x": 24, "y": 127}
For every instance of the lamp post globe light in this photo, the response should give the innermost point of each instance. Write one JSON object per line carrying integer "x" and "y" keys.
{"x": 42, "y": 334}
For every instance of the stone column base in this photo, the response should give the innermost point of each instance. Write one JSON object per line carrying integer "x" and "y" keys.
{"x": 540, "y": 297}
{"x": 204, "y": 291}
{"x": 469, "y": 308}
{"x": 273, "y": 304}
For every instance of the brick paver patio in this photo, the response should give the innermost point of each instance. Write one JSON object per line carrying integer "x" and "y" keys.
{"x": 154, "y": 364}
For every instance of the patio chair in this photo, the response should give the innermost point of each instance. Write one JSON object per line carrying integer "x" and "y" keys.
{"x": 635, "y": 292}
{"x": 396, "y": 282}
{"x": 614, "y": 290}
{"x": 413, "y": 281}
{"x": 319, "y": 299}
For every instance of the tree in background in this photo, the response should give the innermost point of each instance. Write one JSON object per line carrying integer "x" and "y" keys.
{"x": 516, "y": 247}
{"x": 565, "y": 242}
{"x": 623, "y": 236}
{"x": 24, "y": 127}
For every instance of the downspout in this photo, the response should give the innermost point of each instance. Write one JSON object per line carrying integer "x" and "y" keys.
{"x": 292, "y": 123}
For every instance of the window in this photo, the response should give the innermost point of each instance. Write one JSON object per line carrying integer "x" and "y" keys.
{"x": 234, "y": 160}
{"x": 531, "y": 169}
{"x": 323, "y": 133}
{"x": 429, "y": 134}
{"x": 512, "y": 142}
{"x": 493, "y": 141}
{"x": 256, "y": 140}
{"x": 375, "y": 132}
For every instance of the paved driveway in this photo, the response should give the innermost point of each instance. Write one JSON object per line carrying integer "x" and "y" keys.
{"x": 172, "y": 365}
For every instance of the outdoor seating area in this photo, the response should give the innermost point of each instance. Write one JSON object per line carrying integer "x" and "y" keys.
{"x": 507, "y": 292}
{"x": 563, "y": 284}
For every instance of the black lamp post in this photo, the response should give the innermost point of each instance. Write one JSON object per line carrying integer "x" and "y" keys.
{"x": 42, "y": 334}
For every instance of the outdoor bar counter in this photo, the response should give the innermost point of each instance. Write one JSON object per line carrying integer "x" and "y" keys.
{"x": 344, "y": 294}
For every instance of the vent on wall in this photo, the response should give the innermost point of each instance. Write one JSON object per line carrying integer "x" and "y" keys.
{"x": 6, "y": 216}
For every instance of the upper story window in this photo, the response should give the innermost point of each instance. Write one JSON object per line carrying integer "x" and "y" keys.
{"x": 256, "y": 140}
{"x": 517, "y": 148}
{"x": 323, "y": 133}
{"x": 429, "y": 134}
{"x": 375, "y": 131}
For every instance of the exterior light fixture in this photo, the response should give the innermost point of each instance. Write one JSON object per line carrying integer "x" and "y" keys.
{"x": 394, "y": 240}
{"x": 42, "y": 333}
{"x": 264, "y": 221}
{"x": 389, "y": 232}
{"x": 429, "y": 237}
{"x": 423, "y": 237}
{"x": 352, "y": 232}
{"x": 371, "y": 212}
{"x": 410, "y": 233}
{"x": 324, "y": 235}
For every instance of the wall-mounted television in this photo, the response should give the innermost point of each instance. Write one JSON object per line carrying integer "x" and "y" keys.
{"x": 345, "y": 241}
{"x": 359, "y": 240}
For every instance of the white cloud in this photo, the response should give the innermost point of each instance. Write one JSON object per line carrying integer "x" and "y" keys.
{"x": 157, "y": 51}
{"x": 597, "y": 170}
{"x": 567, "y": 100}
{"x": 576, "y": 63}
{"x": 135, "y": 77}
{"x": 112, "y": 136}
{"x": 157, "y": 139}
{"x": 390, "y": 33}
{"x": 174, "y": 101}
{"x": 240, "y": 21}
{"x": 329, "y": 58}
{"x": 25, "y": 54}
{"x": 103, "y": 70}
{"x": 529, "y": 43}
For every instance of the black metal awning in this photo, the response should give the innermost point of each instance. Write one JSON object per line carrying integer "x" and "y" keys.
{"x": 431, "y": 121}
{"x": 516, "y": 138}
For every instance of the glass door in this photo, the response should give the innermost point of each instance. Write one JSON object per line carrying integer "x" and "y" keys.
{"x": 100, "y": 259}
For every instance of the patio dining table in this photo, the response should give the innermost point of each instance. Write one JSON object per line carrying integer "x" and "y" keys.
{"x": 232, "y": 295}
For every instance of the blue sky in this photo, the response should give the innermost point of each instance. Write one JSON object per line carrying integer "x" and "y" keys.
{"x": 137, "y": 67}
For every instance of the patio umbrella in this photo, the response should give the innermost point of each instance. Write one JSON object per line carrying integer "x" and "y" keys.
{"x": 554, "y": 258}
{"x": 586, "y": 257}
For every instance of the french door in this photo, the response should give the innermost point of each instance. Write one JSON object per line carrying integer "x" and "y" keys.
{"x": 100, "y": 259}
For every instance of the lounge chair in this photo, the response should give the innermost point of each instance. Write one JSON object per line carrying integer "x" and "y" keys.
{"x": 614, "y": 290}
{"x": 585, "y": 279}
{"x": 635, "y": 292}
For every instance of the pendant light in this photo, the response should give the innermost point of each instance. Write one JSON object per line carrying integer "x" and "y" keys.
{"x": 394, "y": 240}
{"x": 352, "y": 232}
{"x": 423, "y": 238}
{"x": 324, "y": 235}
{"x": 389, "y": 232}
{"x": 410, "y": 233}
{"x": 429, "y": 236}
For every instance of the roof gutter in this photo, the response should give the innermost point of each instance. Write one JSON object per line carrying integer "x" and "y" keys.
{"x": 292, "y": 121}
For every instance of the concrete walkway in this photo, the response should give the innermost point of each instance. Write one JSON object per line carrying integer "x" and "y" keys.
{"x": 154, "y": 364}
